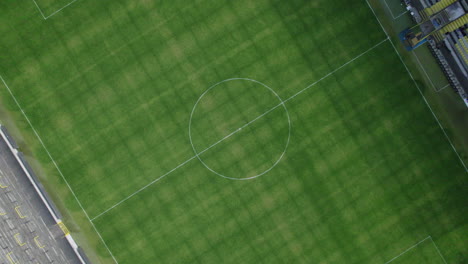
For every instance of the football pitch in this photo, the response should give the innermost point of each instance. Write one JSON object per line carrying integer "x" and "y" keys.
{"x": 210, "y": 131}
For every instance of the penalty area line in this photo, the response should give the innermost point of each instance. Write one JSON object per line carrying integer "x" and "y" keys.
{"x": 408, "y": 249}
{"x": 46, "y": 17}
{"x": 417, "y": 244}
{"x": 61, "y": 8}
{"x": 427, "y": 75}
{"x": 237, "y": 130}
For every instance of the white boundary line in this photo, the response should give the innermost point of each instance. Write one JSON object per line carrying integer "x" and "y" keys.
{"x": 391, "y": 12}
{"x": 188, "y": 160}
{"x": 56, "y": 166}
{"x": 417, "y": 244}
{"x": 427, "y": 75}
{"x": 420, "y": 92}
{"x": 46, "y": 17}
{"x": 237, "y": 130}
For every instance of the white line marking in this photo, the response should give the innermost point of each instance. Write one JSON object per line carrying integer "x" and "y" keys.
{"x": 417, "y": 244}
{"x": 143, "y": 188}
{"x": 408, "y": 249}
{"x": 438, "y": 251}
{"x": 61, "y": 8}
{"x": 339, "y": 68}
{"x": 56, "y": 166}
{"x": 401, "y": 14}
{"x": 46, "y": 17}
{"x": 40, "y": 11}
{"x": 443, "y": 88}
{"x": 239, "y": 129}
{"x": 391, "y": 12}
{"x": 420, "y": 92}
{"x": 182, "y": 164}
{"x": 427, "y": 75}
{"x": 236, "y": 131}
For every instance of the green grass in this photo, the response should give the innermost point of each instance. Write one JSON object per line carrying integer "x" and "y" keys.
{"x": 246, "y": 151}
{"x": 423, "y": 252}
{"x": 49, "y": 7}
{"x": 434, "y": 73}
{"x": 110, "y": 87}
{"x": 396, "y": 8}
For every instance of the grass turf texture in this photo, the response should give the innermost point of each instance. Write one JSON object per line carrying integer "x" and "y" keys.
{"x": 110, "y": 85}
{"x": 425, "y": 252}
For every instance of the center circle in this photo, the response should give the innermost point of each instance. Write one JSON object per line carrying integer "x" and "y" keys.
{"x": 239, "y": 129}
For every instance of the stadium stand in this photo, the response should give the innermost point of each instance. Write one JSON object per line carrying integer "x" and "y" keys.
{"x": 443, "y": 24}
{"x": 54, "y": 212}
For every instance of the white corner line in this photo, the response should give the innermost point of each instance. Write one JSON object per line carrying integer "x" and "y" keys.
{"x": 420, "y": 92}
{"x": 438, "y": 251}
{"x": 408, "y": 249}
{"x": 56, "y": 166}
{"x": 236, "y": 131}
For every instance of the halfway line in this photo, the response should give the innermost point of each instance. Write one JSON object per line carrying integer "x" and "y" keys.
{"x": 238, "y": 130}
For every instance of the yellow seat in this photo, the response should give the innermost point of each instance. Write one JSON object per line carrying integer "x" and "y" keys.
{"x": 460, "y": 22}
{"x": 462, "y": 53}
{"x": 439, "y": 6}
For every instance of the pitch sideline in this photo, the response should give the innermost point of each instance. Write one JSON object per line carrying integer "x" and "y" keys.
{"x": 419, "y": 89}
{"x": 56, "y": 166}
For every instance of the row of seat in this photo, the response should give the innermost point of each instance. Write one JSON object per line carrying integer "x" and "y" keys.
{"x": 457, "y": 42}
{"x": 459, "y": 23}
{"x": 433, "y": 6}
